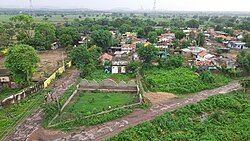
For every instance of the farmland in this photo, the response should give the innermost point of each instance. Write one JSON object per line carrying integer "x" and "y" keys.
{"x": 221, "y": 117}
{"x": 179, "y": 81}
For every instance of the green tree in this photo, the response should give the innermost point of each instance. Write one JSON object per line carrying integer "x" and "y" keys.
{"x": 200, "y": 39}
{"x": 23, "y": 26}
{"x": 67, "y": 36}
{"x": 22, "y": 61}
{"x": 173, "y": 61}
{"x": 193, "y": 23}
{"x": 125, "y": 28}
{"x": 102, "y": 38}
{"x": 153, "y": 38}
{"x": 133, "y": 66}
{"x": 179, "y": 34}
{"x": 243, "y": 59}
{"x": 245, "y": 83}
{"x": 247, "y": 39}
{"x": 45, "y": 35}
{"x": 147, "y": 53}
{"x": 207, "y": 76}
{"x": 83, "y": 59}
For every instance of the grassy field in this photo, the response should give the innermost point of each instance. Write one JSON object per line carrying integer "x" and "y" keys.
{"x": 99, "y": 75}
{"x": 9, "y": 116}
{"x": 219, "y": 118}
{"x": 86, "y": 104}
{"x": 179, "y": 81}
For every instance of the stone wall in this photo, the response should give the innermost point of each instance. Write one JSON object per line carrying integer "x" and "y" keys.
{"x": 21, "y": 95}
{"x": 108, "y": 85}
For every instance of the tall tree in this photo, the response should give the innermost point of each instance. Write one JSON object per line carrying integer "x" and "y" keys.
{"x": 45, "y": 35}
{"x": 193, "y": 23}
{"x": 67, "y": 36}
{"x": 200, "y": 39}
{"x": 153, "y": 38}
{"x": 147, "y": 53}
{"x": 84, "y": 59}
{"x": 102, "y": 38}
{"x": 23, "y": 26}
{"x": 22, "y": 61}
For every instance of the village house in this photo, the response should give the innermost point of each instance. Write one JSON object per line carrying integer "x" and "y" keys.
{"x": 105, "y": 57}
{"x": 237, "y": 45}
{"x": 119, "y": 63}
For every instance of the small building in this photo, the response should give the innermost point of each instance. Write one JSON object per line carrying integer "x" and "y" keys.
{"x": 237, "y": 45}
{"x": 119, "y": 64}
{"x": 55, "y": 45}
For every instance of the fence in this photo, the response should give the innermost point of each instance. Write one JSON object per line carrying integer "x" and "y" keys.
{"x": 35, "y": 88}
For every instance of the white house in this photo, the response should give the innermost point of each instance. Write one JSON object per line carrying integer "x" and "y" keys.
{"x": 119, "y": 65}
{"x": 237, "y": 45}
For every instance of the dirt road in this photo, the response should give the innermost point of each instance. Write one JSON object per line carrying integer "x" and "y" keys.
{"x": 103, "y": 131}
{"x": 32, "y": 122}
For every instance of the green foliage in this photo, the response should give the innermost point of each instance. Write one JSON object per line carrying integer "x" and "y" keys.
{"x": 179, "y": 81}
{"x": 67, "y": 36}
{"x": 179, "y": 34}
{"x": 147, "y": 53}
{"x": 83, "y": 59}
{"x": 45, "y": 35}
{"x": 243, "y": 58}
{"x": 193, "y": 23}
{"x": 11, "y": 115}
{"x": 102, "y": 38}
{"x": 245, "y": 83}
{"x": 221, "y": 117}
{"x": 173, "y": 61}
{"x": 22, "y": 61}
{"x": 125, "y": 28}
{"x": 200, "y": 39}
{"x": 207, "y": 76}
{"x": 247, "y": 39}
{"x": 153, "y": 38}
{"x": 133, "y": 66}
{"x": 6, "y": 91}
{"x": 86, "y": 104}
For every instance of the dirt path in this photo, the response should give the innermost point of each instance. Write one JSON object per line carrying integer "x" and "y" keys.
{"x": 32, "y": 122}
{"x": 103, "y": 131}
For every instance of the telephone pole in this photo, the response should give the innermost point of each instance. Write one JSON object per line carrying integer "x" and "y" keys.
{"x": 154, "y": 8}
{"x": 31, "y": 6}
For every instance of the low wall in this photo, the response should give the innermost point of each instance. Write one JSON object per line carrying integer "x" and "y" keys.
{"x": 35, "y": 88}
{"x": 21, "y": 95}
{"x": 108, "y": 85}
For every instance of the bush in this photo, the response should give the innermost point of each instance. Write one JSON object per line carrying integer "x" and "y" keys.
{"x": 207, "y": 77}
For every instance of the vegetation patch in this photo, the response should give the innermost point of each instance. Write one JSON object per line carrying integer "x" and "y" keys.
{"x": 221, "y": 117}
{"x": 82, "y": 110}
{"x": 6, "y": 92}
{"x": 179, "y": 81}
{"x": 11, "y": 115}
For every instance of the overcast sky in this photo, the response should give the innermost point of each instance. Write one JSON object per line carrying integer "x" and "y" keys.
{"x": 171, "y": 5}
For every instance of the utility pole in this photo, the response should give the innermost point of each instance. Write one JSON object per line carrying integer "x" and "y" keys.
{"x": 154, "y": 8}
{"x": 31, "y": 6}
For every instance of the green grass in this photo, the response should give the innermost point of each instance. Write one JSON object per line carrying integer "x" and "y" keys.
{"x": 100, "y": 75}
{"x": 179, "y": 81}
{"x": 6, "y": 92}
{"x": 86, "y": 104}
{"x": 219, "y": 118}
{"x": 10, "y": 115}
